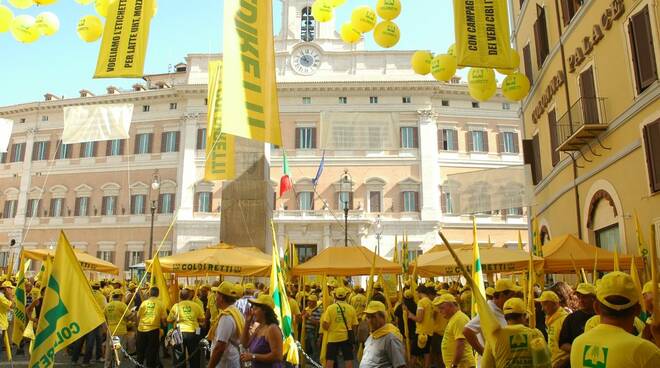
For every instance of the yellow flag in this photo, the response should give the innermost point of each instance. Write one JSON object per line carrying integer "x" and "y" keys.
{"x": 158, "y": 280}
{"x": 69, "y": 310}
{"x": 477, "y": 274}
{"x": 520, "y": 242}
{"x": 220, "y": 148}
{"x": 250, "y": 107}
{"x": 395, "y": 258}
{"x": 482, "y": 33}
{"x": 125, "y": 38}
{"x": 20, "y": 318}
{"x": 635, "y": 277}
{"x": 616, "y": 258}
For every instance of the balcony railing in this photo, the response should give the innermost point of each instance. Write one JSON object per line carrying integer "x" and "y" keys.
{"x": 584, "y": 121}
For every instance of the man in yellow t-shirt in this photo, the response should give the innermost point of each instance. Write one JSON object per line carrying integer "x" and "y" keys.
{"x": 295, "y": 314}
{"x": 6, "y": 303}
{"x": 116, "y": 324}
{"x": 439, "y": 325}
{"x": 94, "y": 338}
{"x": 513, "y": 344}
{"x": 359, "y": 301}
{"x": 151, "y": 316}
{"x": 554, "y": 319}
{"x": 337, "y": 319}
{"x": 456, "y": 352}
{"x": 610, "y": 344}
{"x": 187, "y": 315}
{"x": 424, "y": 323}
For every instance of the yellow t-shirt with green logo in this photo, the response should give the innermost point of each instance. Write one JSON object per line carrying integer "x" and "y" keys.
{"x": 512, "y": 347}
{"x": 5, "y": 306}
{"x": 150, "y": 314}
{"x": 337, "y": 329}
{"x": 427, "y": 325}
{"x": 607, "y": 346}
{"x": 453, "y": 332}
{"x": 187, "y": 313}
{"x": 113, "y": 313}
{"x": 553, "y": 324}
{"x": 359, "y": 303}
{"x": 595, "y": 321}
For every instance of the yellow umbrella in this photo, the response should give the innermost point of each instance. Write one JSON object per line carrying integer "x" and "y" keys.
{"x": 346, "y": 261}
{"x": 222, "y": 259}
{"x": 88, "y": 262}
{"x": 493, "y": 260}
{"x": 559, "y": 251}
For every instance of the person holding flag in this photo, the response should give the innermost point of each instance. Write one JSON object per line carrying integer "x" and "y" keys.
{"x": 456, "y": 353}
{"x": 114, "y": 311}
{"x": 6, "y": 303}
{"x": 225, "y": 335}
{"x": 265, "y": 343}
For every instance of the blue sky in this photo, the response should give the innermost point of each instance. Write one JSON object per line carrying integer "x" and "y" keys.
{"x": 63, "y": 64}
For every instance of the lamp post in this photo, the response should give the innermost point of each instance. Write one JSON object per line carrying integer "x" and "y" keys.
{"x": 379, "y": 232}
{"x": 345, "y": 189}
{"x": 154, "y": 193}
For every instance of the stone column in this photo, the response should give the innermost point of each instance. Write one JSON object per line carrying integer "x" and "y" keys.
{"x": 429, "y": 168}
{"x": 187, "y": 176}
{"x": 326, "y": 237}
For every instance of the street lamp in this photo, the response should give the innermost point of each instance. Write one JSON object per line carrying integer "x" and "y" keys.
{"x": 154, "y": 193}
{"x": 345, "y": 189}
{"x": 379, "y": 231}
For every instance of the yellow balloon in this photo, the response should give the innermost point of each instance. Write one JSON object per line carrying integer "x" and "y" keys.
{"x": 481, "y": 83}
{"x": 443, "y": 67}
{"x": 84, "y": 2}
{"x": 6, "y": 15}
{"x": 47, "y": 24}
{"x": 102, "y": 6}
{"x": 363, "y": 18}
{"x": 322, "y": 11}
{"x": 421, "y": 62}
{"x": 387, "y": 34}
{"x": 515, "y": 86}
{"x": 450, "y": 50}
{"x": 388, "y": 9}
{"x": 23, "y": 29}
{"x": 155, "y": 8}
{"x": 349, "y": 34}
{"x": 336, "y": 3}
{"x": 44, "y": 2}
{"x": 90, "y": 28}
{"x": 514, "y": 62}
{"x": 21, "y": 4}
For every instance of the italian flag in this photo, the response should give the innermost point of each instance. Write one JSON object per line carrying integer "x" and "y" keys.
{"x": 285, "y": 181}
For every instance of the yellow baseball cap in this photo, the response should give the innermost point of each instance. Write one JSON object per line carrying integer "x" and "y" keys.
{"x": 442, "y": 292}
{"x": 444, "y": 298}
{"x": 332, "y": 283}
{"x": 648, "y": 287}
{"x": 617, "y": 284}
{"x": 313, "y": 298}
{"x": 249, "y": 286}
{"x": 490, "y": 291}
{"x": 263, "y": 299}
{"x": 585, "y": 289}
{"x": 408, "y": 294}
{"x": 514, "y": 305}
{"x": 8, "y": 284}
{"x": 96, "y": 284}
{"x": 226, "y": 288}
{"x": 341, "y": 292}
{"x": 116, "y": 292}
{"x": 378, "y": 285}
{"x": 548, "y": 296}
{"x": 375, "y": 306}
{"x": 504, "y": 285}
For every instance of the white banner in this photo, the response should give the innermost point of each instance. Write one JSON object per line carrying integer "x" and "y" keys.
{"x": 5, "y": 133}
{"x": 96, "y": 123}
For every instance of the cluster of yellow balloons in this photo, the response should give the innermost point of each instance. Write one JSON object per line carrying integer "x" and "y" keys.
{"x": 90, "y": 27}
{"x": 324, "y": 10}
{"x": 364, "y": 18}
{"x": 482, "y": 84}
{"x": 26, "y": 28}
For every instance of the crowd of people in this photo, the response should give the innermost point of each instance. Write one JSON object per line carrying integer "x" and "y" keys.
{"x": 604, "y": 325}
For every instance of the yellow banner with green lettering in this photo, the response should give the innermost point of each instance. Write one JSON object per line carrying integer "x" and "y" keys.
{"x": 220, "y": 148}
{"x": 482, "y": 33}
{"x": 249, "y": 101}
{"x": 125, "y": 37}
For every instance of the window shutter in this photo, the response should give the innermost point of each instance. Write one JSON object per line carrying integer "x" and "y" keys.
{"x": 566, "y": 15}
{"x": 297, "y": 130}
{"x": 47, "y": 151}
{"x": 643, "y": 50}
{"x": 588, "y": 94}
{"x": 403, "y": 202}
{"x": 94, "y": 149}
{"x": 121, "y": 147}
{"x": 500, "y": 142}
{"x": 652, "y": 148}
{"x": 200, "y": 136}
{"x": 443, "y": 200}
{"x": 76, "y": 210}
{"x": 417, "y": 204}
{"x": 196, "y": 202}
{"x": 401, "y": 137}
{"x": 313, "y": 139}
{"x": 160, "y": 203}
{"x": 136, "y": 144}
{"x": 441, "y": 139}
{"x": 350, "y": 200}
{"x": 537, "y": 43}
{"x": 554, "y": 140}
{"x": 163, "y": 136}
{"x": 151, "y": 142}
{"x": 177, "y": 141}
{"x": 516, "y": 145}
{"x": 415, "y": 132}
{"x": 537, "y": 158}
{"x": 108, "y": 145}
{"x": 132, "y": 209}
{"x": 35, "y": 146}
{"x": 454, "y": 138}
{"x": 528, "y": 157}
{"x": 485, "y": 135}
{"x": 127, "y": 258}
{"x": 104, "y": 201}
{"x": 468, "y": 140}
{"x": 144, "y": 204}
{"x": 13, "y": 152}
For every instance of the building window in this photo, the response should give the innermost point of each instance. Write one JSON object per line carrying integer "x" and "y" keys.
{"x": 32, "y": 208}
{"x": 373, "y": 99}
{"x": 132, "y": 258}
{"x": 169, "y": 142}
{"x": 514, "y": 211}
{"x": 201, "y": 138}
{"x": 305, "y": 138}
{"x": 17, "y": 152}
{"x": 448, "y": 139}
{"x": 109, "y": 206}
{"x": 406, "y": 99}
{"x": 409, "y": 137}
{"x": 307, "y": 100}
{"x": 446, "y": 204}
{"x": 445, "y": 103}
{"x": 532, "y": 156}
{"x": 305, "y": 252}
{"x": 554, "y": 138}
{"x": 307, "y": 25}
{"x": 173, "y": 105}
{"x": 477, "y": 141}
{"x": 3, "y": 157}
{"x": 87, "y": 149}
{"x": 343, "y": 100}
{"x": 652, "y": 149}
{"x": 527, "y": 62}
{"x": 166, "y": 203}
{"x": 4, "y": 258}
{"x": 643, "y": 50}
{"x": 204, "y": 202}
{"x": 608, "y": 237}
{"x": 138, "y": 204}
{"x": 143, "y": 143}
{"x": 114, "y": 147}
{"x": 56, "y": 205}
{"x": 569, "y": 8}
{"x": 10, "y": 209}
{"x": 506, "y": 106}
{"x": 63, "y": 151}
{"x": 410, "y": 201}
{"x": 44, "y": 117}
{"x": 343, "y": 199}
{"x": 374, "y": 201}
{"x": 475, "y": 104}
{"x": 106, "y": 255}
{"x": 508, "y": 142}
{"x": 40, "y": 151}
{"x": 306, "y": 201}
{"x": 541, "y": 36}
{"x": 82, "y": 206}
{"x": 588, "y": 97}
{"x": 146, "y": 108}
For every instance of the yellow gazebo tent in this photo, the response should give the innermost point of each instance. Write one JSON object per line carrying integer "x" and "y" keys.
{"x": 558, "y": 251}
{"x": 222, "y": 259}
{"x": 88, "y": 262}
{"x": 493, "y": 260}
{"x": 346, "y": 261}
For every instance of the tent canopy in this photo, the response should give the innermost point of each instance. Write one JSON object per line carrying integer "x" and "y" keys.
{"x": 558, "y": 251}
{"x": 222, "y": 259}
{"x": 346, "y": 261}
{"x": 88, "y": 262}
{"x": 493, "y": 260}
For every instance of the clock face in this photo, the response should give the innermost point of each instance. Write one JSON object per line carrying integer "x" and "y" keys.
{"x": 306, "y": 60}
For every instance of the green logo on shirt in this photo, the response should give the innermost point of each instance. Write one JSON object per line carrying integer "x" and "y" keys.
{"x": 518, "y": 342}
{"x": 594, "y": 356}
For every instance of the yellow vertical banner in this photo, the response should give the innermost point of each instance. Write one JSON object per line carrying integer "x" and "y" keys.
{"x": 482, "y": 33}
{"x": 125, "y": 36}
{"x": 220, "y": 153}
{"x": 249, "y": 107}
